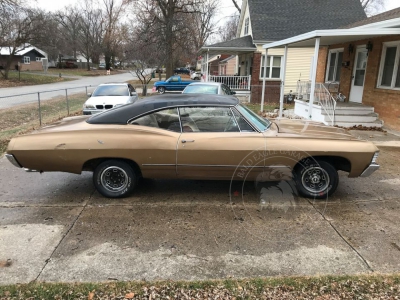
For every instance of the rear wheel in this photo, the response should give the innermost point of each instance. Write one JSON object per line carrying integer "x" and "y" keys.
{"x": 316, "y": 179}
{"x": 114, "y": 178}
{"x": 161, "y": 90}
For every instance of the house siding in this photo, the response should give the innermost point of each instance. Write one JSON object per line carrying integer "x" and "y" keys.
{"x": 298, "y": 67}
{"x": 386, "y": 102}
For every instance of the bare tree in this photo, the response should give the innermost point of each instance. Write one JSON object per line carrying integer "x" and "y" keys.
{"x": 168, "y": 16}
{"x": 373, "y": 6}
{"x": 113, "y": 11}
{"x": 227, "y": 31}
{"x": 69, "y": 19}
{"x": 18, "y": 27}
{"x": 237, "y": 6}
{"x": 91, "y": 31}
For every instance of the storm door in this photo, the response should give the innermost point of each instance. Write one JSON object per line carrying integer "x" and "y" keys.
{"x": 358, "y": 78}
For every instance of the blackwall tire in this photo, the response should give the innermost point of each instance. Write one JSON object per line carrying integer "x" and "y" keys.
{"x": 161, "y": 90}
{"x": 114, "y": 178}
{"x": 316, "y": 179}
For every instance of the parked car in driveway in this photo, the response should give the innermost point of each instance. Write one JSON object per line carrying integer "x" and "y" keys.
{"x": 182, "y": 71}
{"x": 193, "y": 136}
{"x": 208, "y": 88}
{"x": 196, "y": 75}
{"x": 109, "y": 95}
{"x": 172, "y": 84}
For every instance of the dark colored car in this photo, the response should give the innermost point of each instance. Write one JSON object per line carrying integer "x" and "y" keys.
{"x": 182, "y": 71}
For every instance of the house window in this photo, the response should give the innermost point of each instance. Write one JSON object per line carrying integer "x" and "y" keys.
{"x": 389, "y": 73}
{"x": 335, "y": 59}
{"x": 246, "y": 26}
{"x": 38, "y": 59}
{"x": 27, "y": 60}
{"x": 273, "y": 67}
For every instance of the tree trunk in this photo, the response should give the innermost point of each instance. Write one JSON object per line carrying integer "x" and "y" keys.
{"x": 144, "y": 92}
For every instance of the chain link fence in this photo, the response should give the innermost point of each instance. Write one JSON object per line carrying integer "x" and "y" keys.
{"x": 20, "y": 113}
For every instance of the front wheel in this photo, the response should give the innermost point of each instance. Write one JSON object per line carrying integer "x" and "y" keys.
{"x": 316, "y": 179}
{"x": 114, "y": 178}
{"x": 161, "y": 90}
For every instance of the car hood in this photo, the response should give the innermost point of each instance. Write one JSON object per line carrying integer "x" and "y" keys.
{"x": 311, "y": 129}
{"x": 108, "y": 100}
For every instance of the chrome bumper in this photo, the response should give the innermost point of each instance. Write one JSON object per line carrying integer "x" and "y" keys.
{"x": 370, "y": 169}
{"x": 12, "y": 160}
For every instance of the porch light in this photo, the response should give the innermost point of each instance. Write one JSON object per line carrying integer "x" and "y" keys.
{"x": 351, "y": 48}
{"x": 369, "y": 46}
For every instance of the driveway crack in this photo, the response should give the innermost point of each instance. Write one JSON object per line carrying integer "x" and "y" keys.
{"x": 343, "y": 238}
{"x": 64, "y": 236}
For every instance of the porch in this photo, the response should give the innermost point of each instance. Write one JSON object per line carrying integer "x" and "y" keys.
{"x": 239, "y": 84}
{"x": 330, "y": 106}
{"x": 314, "y": 100}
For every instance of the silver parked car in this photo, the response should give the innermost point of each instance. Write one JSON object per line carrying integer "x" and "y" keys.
{"x": 109, "y": 95}
{"x": 208, "y": 88}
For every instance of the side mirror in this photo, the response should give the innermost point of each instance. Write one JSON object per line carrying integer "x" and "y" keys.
{"x": 89, "y": 94}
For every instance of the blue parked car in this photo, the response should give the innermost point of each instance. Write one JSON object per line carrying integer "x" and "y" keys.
{"x": 174, "y": 83}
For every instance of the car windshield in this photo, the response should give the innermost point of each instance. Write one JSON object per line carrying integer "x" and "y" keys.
{"x": 261, "y": 123}
{"x": 200, "y": 89}
{"x": 111, "y": 90}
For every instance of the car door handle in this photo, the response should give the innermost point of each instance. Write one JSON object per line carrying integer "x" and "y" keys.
{"x": 187, "y": 141}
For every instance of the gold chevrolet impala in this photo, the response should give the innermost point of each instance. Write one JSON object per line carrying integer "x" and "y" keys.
{"x": 193, "y": 136}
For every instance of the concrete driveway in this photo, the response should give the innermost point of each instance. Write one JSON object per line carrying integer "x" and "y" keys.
{"x": 55, "y": 227}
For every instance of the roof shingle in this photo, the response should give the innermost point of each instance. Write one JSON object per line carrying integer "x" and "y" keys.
{"x": 273, "y": 20}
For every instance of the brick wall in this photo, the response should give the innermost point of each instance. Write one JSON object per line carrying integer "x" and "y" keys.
{"x": 386, "y": 102}
{"x": 322, "y": 61}
{"x": 32, "y": 66}
{"x": 272, "y": 88}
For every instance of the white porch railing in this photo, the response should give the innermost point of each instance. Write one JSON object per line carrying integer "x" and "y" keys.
{"x": 322, "y": 97}
{"x": 326, "y": 100}
{"x": 238, "y": 83}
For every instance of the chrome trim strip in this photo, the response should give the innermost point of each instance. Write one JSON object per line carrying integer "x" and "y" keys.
{"x": 30, "y": 170}
{"x": 217, "y": 166}
{"x": 177, "y": 106}
{"x": 247, "y": 121}
{"x": 370, "y": 169}
{"x": 13, "y": 160}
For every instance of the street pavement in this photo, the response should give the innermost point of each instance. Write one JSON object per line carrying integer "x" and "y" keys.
{"x": 28, "y": 94}
{"x": 55, "y": 227}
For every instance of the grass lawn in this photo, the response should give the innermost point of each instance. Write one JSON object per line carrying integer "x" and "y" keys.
{"x": 324, "y": 287}
{"x": 24, "y": 118}
{"x": 16, "y": 79}
{"x": 268, "y": 107}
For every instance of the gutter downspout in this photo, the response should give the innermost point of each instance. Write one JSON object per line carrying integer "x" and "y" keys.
{"x": 314, "y": 76}
{"x": 264, "y": 79}
{"x": 283, "y": 76}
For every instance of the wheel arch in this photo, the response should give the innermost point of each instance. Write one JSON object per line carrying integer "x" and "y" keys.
{"x": 339, "y": 162}
{"x": 91, "y": 164}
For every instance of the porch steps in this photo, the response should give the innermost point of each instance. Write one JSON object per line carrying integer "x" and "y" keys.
{"x": 350, "y": 115}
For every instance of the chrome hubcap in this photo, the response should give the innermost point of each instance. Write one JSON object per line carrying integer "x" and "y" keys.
{"x": 315, "y": 180}
{"x": 114, "y": 179}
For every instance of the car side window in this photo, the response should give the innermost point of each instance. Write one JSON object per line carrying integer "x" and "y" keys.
{"x": 167, "y": 119}
{"x": 243, "y": 125}
{"x": 131, "y": 88}
{"x": 207, "y": 119}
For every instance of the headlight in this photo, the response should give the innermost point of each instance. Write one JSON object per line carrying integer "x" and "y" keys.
{"x": 88, "y": 105}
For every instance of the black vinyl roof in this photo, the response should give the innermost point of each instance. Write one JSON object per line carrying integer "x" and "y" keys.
{"x": 122, "y": 114}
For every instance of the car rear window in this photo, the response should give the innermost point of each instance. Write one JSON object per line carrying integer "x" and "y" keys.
{"x": 111, "y": 90}
{"x": 200, "y": 89}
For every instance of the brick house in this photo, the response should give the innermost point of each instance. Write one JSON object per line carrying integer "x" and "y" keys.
{"x": 362, "y": 62}
{"x": 267, "y": 21}
{"x": 28, "y": 58}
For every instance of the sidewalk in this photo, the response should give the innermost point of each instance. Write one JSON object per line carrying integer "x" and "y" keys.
{"x": 387, "y": 138}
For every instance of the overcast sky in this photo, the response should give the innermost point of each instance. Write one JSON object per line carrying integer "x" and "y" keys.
{"x": 226, "y": 5}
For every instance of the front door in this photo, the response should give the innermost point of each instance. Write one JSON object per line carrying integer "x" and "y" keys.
{"x": 358, "y": 78}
